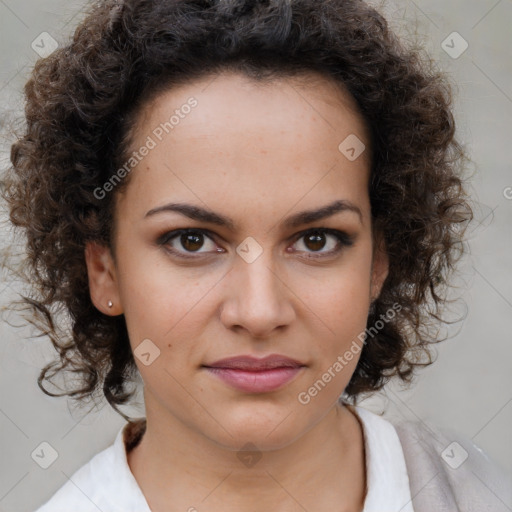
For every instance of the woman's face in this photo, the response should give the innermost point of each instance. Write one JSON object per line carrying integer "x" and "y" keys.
{"x": 242, "y": 161}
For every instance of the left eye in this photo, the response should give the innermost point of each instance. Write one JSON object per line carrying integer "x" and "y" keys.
{"x": 317, "y": 240}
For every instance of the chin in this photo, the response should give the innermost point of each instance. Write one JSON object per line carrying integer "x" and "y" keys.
{"x": 267, "y": 430}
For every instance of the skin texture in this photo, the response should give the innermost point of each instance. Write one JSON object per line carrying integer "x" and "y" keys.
{"x": 257, "y": 153}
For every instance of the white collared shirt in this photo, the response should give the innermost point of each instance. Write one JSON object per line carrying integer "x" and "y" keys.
{"x": 106, "y": 483}
{"x": 387, "y": 480}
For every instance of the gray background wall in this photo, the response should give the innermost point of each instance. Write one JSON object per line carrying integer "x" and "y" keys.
{"x": 468, "y": 389}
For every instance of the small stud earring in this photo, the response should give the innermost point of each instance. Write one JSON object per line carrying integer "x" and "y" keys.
{"x": 110, "y": 303}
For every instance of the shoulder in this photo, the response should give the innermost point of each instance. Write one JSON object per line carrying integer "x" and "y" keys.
{"x": 451, "y": 472}
{"x": 81, "y": 491}
{"x": 104, "y": 483}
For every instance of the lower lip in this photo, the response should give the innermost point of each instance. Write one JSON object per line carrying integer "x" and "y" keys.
{"x": 258, "y": 381}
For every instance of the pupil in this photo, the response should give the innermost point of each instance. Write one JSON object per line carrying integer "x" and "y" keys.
{"x": 317, "y": 240}
{"x": 188, "y": 240}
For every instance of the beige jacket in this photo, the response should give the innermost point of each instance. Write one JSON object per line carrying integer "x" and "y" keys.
{"x": 449, "y": 473}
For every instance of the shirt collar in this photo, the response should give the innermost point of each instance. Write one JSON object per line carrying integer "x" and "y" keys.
{"x": 387, "y": 481}
{"x": 129, "y": 497}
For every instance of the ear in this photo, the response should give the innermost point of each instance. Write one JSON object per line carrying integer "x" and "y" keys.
{"x": 380, "y": 267}
{"x": 103, "y": 284}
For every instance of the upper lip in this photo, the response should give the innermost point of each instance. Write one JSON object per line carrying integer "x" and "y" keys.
{"x": 254, "y": 363}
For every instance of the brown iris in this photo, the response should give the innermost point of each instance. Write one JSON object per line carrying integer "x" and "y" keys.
{"x": 315, "y": 241}
{"x": 192, "y": 241}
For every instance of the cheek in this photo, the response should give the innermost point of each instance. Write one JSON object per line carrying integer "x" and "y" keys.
{"x": 345, "y": 316}
{"x": 342, "y": 298}
{"x": 156, "y": 295}
{"x": 340, "y": 304}
{"x": 338, "y": 341}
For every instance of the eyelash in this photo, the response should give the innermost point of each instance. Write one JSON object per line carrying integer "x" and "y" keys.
{"x": 344, "y": 240}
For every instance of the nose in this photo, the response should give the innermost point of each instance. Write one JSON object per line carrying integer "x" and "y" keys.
{"x": 257, "y": 297}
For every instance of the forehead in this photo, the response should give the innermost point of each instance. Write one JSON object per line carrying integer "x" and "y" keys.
{"x": 278, "y": 140}
{"x": 228, "y": 97}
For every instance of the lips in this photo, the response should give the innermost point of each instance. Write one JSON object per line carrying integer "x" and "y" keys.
{"x": 255, "y": 375}
{"x": 250, "y": 363}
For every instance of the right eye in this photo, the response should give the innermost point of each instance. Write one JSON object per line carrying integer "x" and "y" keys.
{"x": 191, "y": 240}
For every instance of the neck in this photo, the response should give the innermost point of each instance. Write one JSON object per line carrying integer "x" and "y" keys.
{"x": 324, "y": 467}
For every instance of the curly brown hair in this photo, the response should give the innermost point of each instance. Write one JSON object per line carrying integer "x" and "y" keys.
{"x": 82, "y": 99}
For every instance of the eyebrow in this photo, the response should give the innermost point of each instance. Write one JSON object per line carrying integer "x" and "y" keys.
{"x": 297, "y": 219}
